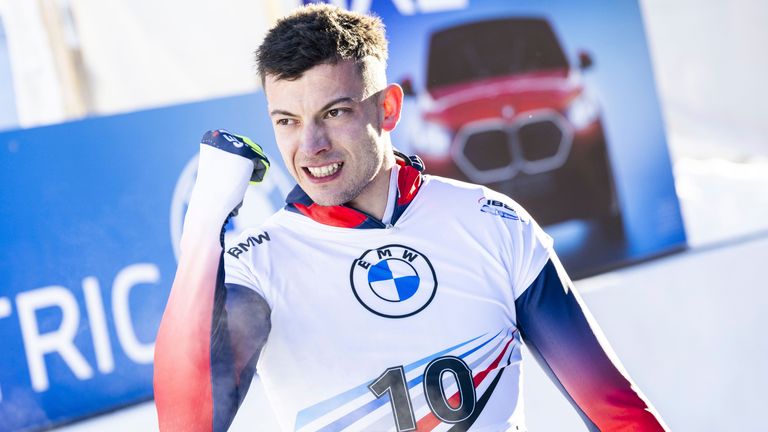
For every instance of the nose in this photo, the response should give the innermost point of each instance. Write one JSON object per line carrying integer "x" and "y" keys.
{"x": 314, "y": 139}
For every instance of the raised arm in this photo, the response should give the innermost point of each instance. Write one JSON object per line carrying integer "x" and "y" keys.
{"x": 569, "y": 346}
{"x": 210, "y": 335}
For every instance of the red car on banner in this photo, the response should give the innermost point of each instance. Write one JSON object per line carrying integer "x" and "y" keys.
{"x": 506, "y": 109}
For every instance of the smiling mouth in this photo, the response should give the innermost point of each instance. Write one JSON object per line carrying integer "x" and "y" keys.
{"x": 325, "y": 170}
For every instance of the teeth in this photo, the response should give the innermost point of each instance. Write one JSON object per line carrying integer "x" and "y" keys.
{"x": 324, "y": 171}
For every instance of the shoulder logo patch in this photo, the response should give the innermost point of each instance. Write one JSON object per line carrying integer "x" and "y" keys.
{"x": 393, "y": 281}
{"x": 249, "y": 243}
{"x": 498, "y": 208}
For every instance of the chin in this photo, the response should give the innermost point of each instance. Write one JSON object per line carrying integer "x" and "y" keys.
{"x": 326, "y": 200}
{"x": 335, "y": 193}
{"x": 333, "y": 198}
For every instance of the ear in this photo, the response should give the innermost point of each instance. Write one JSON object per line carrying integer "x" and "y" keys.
{"x": 391, "y": 104}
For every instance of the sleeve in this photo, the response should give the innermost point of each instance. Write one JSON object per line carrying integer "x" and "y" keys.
{"x": 240, "y": 328}
{"x": 567, "y": 343}
{"x": 529, "y": 250}
{"x": 211, "y": 333}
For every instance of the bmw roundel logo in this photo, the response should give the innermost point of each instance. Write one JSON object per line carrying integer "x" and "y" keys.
{"x": 393, "y": 281}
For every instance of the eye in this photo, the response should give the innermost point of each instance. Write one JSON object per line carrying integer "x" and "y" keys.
{"x": 335, "y": 112}
{"x": 285, "y": 122}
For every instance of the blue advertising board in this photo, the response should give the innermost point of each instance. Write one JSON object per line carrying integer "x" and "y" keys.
{"x": 90, "y": 210}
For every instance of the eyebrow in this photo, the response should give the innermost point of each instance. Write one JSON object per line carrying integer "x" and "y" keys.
{"x": 346, "y": 99}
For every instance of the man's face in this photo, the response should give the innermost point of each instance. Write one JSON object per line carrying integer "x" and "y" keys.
{"x": 328, "y": 129}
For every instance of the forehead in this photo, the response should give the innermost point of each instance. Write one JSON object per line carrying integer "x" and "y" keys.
{"x": 316, "y": 86}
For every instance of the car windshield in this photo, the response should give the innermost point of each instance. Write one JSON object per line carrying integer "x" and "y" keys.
{"x": 489, "y": 49}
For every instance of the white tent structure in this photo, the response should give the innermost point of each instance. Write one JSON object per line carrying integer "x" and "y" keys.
{"x": 72, "y": 58}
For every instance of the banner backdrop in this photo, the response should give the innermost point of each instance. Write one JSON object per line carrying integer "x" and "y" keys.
{"x": 551, "y": 102}
{"x": 91, "y": 212}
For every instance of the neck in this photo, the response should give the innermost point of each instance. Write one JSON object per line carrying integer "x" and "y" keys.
{"x": 373, "y": 199}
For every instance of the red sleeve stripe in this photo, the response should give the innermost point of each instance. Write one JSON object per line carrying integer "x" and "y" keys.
{"x": 182, "y": 378}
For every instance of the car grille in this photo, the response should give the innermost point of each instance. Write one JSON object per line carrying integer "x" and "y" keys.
{"x": 488, "y": 150}
{"x": 496, "y": 150}
{"x": 539, "y": 140}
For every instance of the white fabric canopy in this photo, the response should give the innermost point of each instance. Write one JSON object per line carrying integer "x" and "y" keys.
{"x": 77, "y": 57}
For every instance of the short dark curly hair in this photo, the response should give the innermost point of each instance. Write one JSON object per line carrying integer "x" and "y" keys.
{"x": 319, "y": 34}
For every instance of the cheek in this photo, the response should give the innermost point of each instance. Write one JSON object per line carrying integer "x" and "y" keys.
{"x": 287, "y": 152}
{"x": 363, "y": 135}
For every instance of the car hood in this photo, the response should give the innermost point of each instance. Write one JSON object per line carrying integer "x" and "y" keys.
{"x": 503, "y": 97}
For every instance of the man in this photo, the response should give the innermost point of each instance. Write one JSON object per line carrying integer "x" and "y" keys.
{"x": 379, "y": 298}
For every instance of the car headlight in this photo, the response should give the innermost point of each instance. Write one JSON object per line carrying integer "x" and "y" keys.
{"x": 582, "y": 111}
{"x": 431, "y": 139}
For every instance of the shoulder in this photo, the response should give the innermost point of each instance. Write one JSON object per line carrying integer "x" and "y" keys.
{"x": 438, "y": 190}
{"x": 248, "y": 255}
{"x": 440, "y": 184}
{"x": 495, "y": 220}
{"x": 246, "y": 241}
{"x": 481, "y": 208}
{"x": 472, "y": 199}
{"x": 250, "y": 240}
